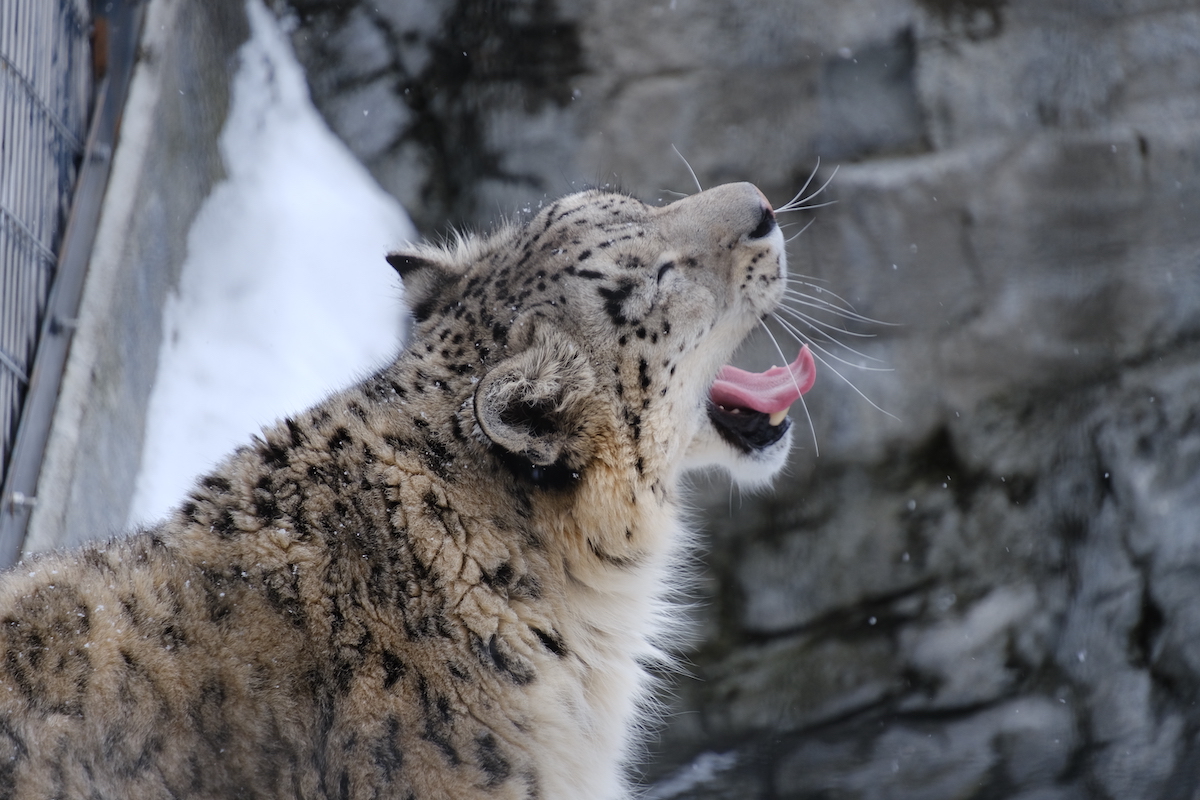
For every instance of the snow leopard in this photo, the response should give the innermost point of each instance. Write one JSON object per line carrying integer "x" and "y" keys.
{"x": 448, "y": 580}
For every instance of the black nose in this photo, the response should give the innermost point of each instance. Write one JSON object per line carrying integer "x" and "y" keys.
{"x": 766, "y": 223}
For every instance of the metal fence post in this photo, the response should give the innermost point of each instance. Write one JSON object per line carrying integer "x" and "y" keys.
{"x": 34, "y": 77}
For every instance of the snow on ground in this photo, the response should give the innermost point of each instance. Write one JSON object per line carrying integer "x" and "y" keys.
{"x": 285, "y": 295}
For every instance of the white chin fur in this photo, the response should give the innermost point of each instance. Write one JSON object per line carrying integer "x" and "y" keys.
{"x": 749, "y": 470}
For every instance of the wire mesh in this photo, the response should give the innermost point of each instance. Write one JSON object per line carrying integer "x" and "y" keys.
{"x": 45, "y": 94}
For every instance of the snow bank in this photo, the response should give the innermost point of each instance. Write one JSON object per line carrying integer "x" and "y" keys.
{"x": 285, "y": 295}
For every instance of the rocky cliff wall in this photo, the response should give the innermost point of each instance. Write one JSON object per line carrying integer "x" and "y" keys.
{"x": 991, "y": 589}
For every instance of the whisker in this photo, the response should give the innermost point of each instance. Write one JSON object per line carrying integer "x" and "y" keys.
{"x": 824, "y": 326}
{"x": 779, "y": 350}
{"x": 798, "y": 278}
{"x": 820, "y": 354}
{"x": 689, "y": 167}
{"x": 802, "y": 230}
{"x": 855, "y": 388}
{"x": 824, "y": 185}
{"x": 812, "y": 428}
{"x": 806, "y": 281}
{"x": 810, "y": 302}
{"x": 786, "y": 209}
{"x": 801, "y": 336}
{"x": 820, "y": 299}
{"x": 803, "y": 188}
{"x": 796, "y": 204}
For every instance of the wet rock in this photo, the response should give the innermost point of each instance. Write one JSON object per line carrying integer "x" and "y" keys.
{"x": 969, "y": 659}
{"x": 996, "y": 752}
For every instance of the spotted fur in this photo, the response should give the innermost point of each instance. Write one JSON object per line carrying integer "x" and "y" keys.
{"x": 442, "y": 582}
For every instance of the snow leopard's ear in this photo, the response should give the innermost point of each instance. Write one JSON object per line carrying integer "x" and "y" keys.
{"x": 427, "y": 273}
{"x": 535, "y": 406}
{"x": 406, "y": 263}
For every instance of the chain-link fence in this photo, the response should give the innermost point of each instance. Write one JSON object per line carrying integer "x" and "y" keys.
{"x": 64, "y": 72}
{"x": 45, "y": 95}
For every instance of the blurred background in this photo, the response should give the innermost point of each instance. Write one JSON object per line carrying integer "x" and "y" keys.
{"x": 980, "y": 576}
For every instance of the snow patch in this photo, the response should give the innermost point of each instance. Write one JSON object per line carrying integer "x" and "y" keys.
{"x": 285, "y": 295}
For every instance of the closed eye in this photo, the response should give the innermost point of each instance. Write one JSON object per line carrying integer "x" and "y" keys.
{"x": 664, "y": 269}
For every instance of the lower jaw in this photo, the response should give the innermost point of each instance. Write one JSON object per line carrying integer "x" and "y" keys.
{"x": 748, "y": 431}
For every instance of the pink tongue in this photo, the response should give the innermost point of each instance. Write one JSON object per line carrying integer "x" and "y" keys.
{"x": 769, "y": 392}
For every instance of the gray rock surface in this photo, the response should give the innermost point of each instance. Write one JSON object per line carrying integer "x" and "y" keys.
{"x": 989, "y": 588}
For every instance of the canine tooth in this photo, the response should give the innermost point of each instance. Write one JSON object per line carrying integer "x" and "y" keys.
{"x": 778, "y": 417}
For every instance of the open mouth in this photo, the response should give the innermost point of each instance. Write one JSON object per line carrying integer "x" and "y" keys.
{"x": 749, "y": 409}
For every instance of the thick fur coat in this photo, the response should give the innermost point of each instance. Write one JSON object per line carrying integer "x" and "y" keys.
{"x": 443, "y": 582}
